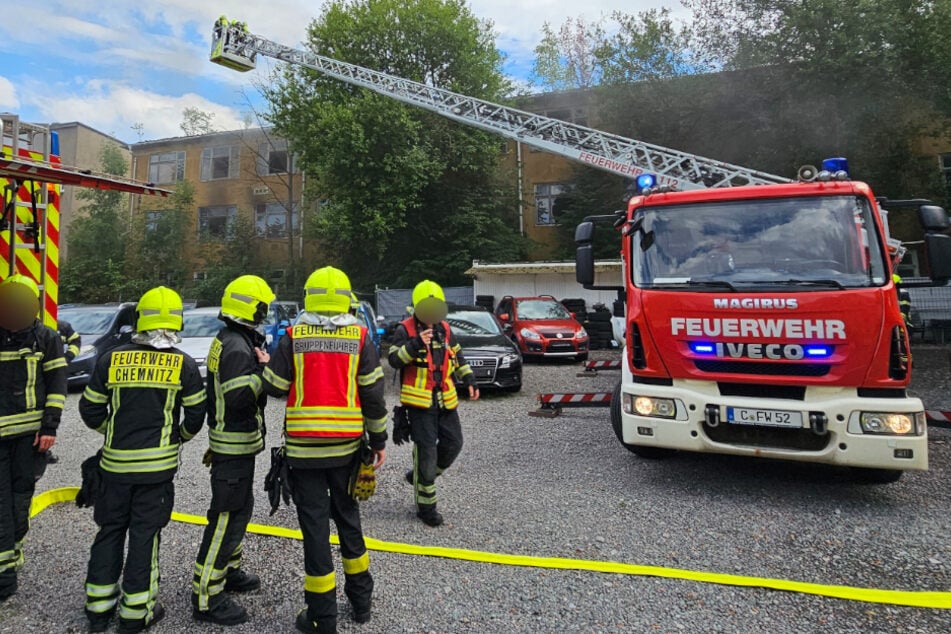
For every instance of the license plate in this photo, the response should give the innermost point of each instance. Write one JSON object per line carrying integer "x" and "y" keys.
{"x": 766, "y": 417}
{"x": 483, "y": 373}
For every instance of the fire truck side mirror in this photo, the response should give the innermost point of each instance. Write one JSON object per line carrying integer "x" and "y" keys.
{"x": 584, "y": 254}
{"x": 933, "y": 218}
{"x": 939, "y": 256}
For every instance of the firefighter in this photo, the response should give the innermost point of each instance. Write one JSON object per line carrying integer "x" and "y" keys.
{"x": 428, "y": 357}
{"x": 236, "y": 435}
{"x": 332, "y": 373}
{"x": 33, "y": 376}
{"x": 72, "y": 342}
{"x": 146, "y": 397}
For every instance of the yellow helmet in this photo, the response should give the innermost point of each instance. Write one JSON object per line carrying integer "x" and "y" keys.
{"x": 328, "y": 291}
{"x": 429, "y": 302}
{"x": 246, "y": 300}
{"x": 24, "y": 281}
{"x": 159, "y": 308}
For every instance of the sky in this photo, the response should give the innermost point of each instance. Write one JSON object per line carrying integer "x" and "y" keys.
{"x": 115, "y": 64}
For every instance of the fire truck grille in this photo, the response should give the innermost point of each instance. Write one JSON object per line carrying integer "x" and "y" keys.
{"x": 773, "y": 437}
{"x": 767, "y": 369}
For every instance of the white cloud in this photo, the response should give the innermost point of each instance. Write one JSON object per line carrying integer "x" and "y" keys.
{"x": 114, "y": 108}
{"x": 8, "y": 94}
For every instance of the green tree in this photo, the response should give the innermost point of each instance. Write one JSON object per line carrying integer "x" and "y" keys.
{"x": 236, "y": 255}
{"x": 568, "y": 58}
{"x": 867, "y": 79}
{"x": 93, "y": 270}
{"x": 410, "y": 191}
{"x": 159, "y": 242}
{"x": 196, "y": 122}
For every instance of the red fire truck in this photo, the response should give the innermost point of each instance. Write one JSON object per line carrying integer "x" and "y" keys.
{"x": 31, "y": 178}
{"x": 764, "y": 321}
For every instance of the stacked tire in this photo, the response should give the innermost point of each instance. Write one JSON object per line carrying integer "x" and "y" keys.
{"x": 598, "y": 325}
{"x": 576, "y": 306}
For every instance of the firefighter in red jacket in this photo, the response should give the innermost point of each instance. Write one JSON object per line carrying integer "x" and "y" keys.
{"x": 32, "y": 395}
{"x": 236, "y": 435}
{"x": 331, "y": 373}
{"x": 146, "y": 398}
{"x": 428, "y": 357}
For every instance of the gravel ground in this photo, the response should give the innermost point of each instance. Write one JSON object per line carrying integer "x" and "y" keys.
{"x": 562, "y": 487}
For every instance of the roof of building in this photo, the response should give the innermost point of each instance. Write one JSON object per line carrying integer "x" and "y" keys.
{"x": 78, "y": 124}
{"x": 201, "y": 138}
{"x": 521, "y": 268}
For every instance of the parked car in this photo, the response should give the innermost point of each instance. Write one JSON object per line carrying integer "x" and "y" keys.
{"x": 494, "y": 358}
{"x": 275, "y": 325}
{"x": 102, "y": 328}
{"x": 198, "y": 331}
{"x": 542, "y": 327}
{"x": 291, "y": 308}
{"x": 368, "y": 318}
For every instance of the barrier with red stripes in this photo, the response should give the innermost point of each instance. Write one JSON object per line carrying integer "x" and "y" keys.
{"x": 591, "y": 367}
{"x": 937, "y": 418}
{"x": 550, "y": 405}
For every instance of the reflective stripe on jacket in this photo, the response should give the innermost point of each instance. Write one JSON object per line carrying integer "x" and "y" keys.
{"x": 419, "y": 373}
{"x": 145, "y": 402}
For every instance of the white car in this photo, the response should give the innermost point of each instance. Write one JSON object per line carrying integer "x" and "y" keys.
{"x": 199, "y": 330}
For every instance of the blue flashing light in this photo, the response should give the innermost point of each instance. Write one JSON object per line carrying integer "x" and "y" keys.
{"x": 646, "y": 181}
{"x": 818, "y": 351}
{"x": 701, "y": 348}
{"x": 836, "y": 164}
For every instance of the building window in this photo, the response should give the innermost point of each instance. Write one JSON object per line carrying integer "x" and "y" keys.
{"x": 199, "y": 276}
{"x": 152, "y": 220}
{"x": 168, "y": 167}
{"x": 215, "y": 223}
{"x": 946, "y": 168}
{"x": 221, "y": 162}
{"x": 545, "y": 196}
{"x": 273, "y": 159}
{"x": 270, "y": 220}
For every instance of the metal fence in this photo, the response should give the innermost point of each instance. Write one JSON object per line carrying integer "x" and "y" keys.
{"x": 931, "y": 312}
{"x": 392, "y": 303}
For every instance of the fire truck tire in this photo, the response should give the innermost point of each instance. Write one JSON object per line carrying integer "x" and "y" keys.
{"x": 877, "y": 476}
{"x": 641, "y": 451}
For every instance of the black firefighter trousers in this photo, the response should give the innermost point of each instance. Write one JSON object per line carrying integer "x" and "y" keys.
{"x": 16, "y": 492}
{"x": 437, "y": 442}
{"x": 232, "y": 502}
{"x": 321, "y": 494}
{"x": 141, "y": 511}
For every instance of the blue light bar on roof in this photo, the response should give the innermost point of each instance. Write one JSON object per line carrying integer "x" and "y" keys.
{"x": 836, "y": 164}
{"x": 646, "y": 181}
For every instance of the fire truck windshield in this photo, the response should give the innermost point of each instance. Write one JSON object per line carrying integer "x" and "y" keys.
{"x": 805, "y": 243}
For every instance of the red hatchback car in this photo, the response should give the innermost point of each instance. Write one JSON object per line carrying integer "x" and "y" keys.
{"x": 542, "y": 327}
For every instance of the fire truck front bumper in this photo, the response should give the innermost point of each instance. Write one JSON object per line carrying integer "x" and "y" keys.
{"x": 829, "y": 425}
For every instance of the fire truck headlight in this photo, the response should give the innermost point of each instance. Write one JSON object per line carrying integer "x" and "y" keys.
{"x": 891, "y": 424}
{"x": 649, "y": 406}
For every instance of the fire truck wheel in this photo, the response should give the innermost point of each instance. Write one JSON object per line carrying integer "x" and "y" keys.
{"x": 877, "y": 476}
{"x": 650, "y": 453}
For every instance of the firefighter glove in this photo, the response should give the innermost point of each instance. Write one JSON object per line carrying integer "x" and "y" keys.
{"x": 92, "y": 480}
{"x": 363, "y": 476}
{"x": 401, "y": 426}
{"x": 206, "y": 459}
{"x": 277, "y": 483}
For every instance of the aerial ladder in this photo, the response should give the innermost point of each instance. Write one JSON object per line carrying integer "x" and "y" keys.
{"x": 235, "y": 47}
{"x": 31, "y": 179}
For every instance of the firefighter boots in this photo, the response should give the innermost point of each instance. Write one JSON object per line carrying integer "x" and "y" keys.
{"x": 130, "y": 626}
{"x": 225, "y": 612}
{"x": 240, "y": 581}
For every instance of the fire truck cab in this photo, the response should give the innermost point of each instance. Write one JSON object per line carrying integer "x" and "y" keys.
{"x": 764, "y": 321}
